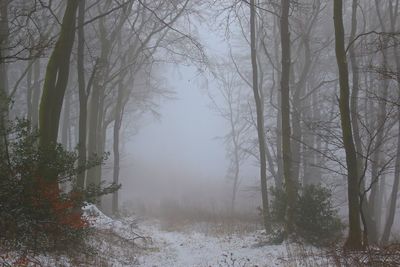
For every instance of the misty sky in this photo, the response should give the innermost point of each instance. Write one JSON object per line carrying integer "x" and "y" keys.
{"x": 186, "y": 133}
{"x": 182, "y": 149}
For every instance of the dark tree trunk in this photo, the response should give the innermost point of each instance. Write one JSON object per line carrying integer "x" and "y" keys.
{"x": 29, "y": 92}
{"x": 82, "y": 96}
{"x": 260, "y": 120}
{"x": 4, "y": 101}
{"x": 35, "y": 94}
{"x": 395, "y": 188}
{"x": 54, "y": 87}
{"x": 354, "y": 240}
{"x": 56, "y": 80}
{"x": 290, "y": 185}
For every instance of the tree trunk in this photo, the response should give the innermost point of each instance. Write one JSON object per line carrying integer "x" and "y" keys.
{"x": 116, "y": 130}
{"x": 35, "y": 94}
{"x": 93, "y": 134}
{"x": 29, "y": 93}
{"x": 80, "y": 183}
{"x": 285, "y": 113}
{"x": 56, "y": 80}
{"x": 354, "y": 240}
{"x": 356, "y": 88}
{"x": 395, "y": 188}
{"x": 66, "y": 124}
{"x": 4, "y": 101}
{"x": 96, "y": 109}
{"x": 260, "y": 120}
{"x": 377, "y": 156}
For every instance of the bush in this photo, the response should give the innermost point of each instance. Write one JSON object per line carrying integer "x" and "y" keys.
{"x": 315, "y": 219}
{"x": 279, "y": 204}
{"x": 35, "y": 215}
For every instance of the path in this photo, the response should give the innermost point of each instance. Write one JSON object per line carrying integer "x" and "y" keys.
{"x": 194, "y": 249}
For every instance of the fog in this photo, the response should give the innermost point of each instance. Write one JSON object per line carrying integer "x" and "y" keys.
{"x": 139, "y": 133}
{"x": 180, "y": 154}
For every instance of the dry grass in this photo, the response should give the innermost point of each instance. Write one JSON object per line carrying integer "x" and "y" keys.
{"x": 208, "y": 222}
{"x": 299, "y": 255}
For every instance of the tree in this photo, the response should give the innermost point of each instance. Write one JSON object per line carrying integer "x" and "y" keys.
{"x": 4, "y": 34}
{"x": 290, "y": 184}
{"x": 56, "y": 80}
{"x": 354, "y": 240}
{"x": 260, "y": 119}
{"x": 83, "y": 94}
{"x": 393, "y": 9}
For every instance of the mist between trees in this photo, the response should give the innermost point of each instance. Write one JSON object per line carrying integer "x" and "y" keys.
{"x": 307, "y": 92}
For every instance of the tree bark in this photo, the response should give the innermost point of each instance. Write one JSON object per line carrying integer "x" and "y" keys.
{"x": 80, "y": 183}
{"x": 66, "y": 124}
{"x": 4, "y": 101}
{"x": 354, "y": 240}
{"x": 35, "y": 94}
{"x": 56, "y": 80}
{"x": 290, "y": 185}
{"x": 260, "y": 120}
{"x": 396, "y": 182}
{"x": 116, "y": 132}
{"x": 29, "y": 93}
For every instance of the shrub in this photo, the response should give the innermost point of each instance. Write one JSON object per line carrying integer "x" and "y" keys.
{"x": 315, "y": 219}
{"x": 278, "y": 205}
{"x": 35, "y": 215}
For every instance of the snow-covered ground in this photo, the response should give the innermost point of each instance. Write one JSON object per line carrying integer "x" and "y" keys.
{"x": 193, "y": 247}
{"x": 183, "y": 249}
{"x": 132, "y": 242}
{"x": 149, "y": 243}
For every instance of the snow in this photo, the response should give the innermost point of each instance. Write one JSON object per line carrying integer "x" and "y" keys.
{"x": 182, "y": 249}
{"x": 191, "y": 247}
{"x": 131, "y": 242}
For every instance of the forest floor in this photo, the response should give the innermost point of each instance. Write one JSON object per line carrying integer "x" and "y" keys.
{"x": 146, "y": 242}
{"x": 177, "y": 243}
{"x": 156, "y": 243}
{"x": 195, "y": 246}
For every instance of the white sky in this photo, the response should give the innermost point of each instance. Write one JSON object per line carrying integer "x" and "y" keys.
{"x": 181, "y": 150}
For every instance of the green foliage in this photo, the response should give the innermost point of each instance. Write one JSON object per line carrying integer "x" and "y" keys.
{"x": 315, "y": 219}
{"x": 279, "y": 204}
{"x": 35, "y": 214}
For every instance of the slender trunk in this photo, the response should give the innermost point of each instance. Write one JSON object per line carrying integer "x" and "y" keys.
{"x": 36, "y": 94}
{"x": 279, "y": 157}
{"x": 236, "y": 168}
{"x": 377, "y": 155}
{"x": 298, "y": 110}
{"x": 82, "y": 97}
{"x": 354, "y": 240}
{"x": 260, "y": 120}
{"x": 308, "y": 139}
{"x": 66, "y": 124}
{"x": 4, "y": 101}
{"x": 285, "y": 110}
{"x": 356, "y": 88}
{"x": 29, "y": 93}
{"x": 319, "y": 161}
{"x": 395, "y": 187}
{"x": 369, "y": 220}
{"x": 96, "y": 108}
{"x": 116, "y": 130}
{"x": 93, "y": 134}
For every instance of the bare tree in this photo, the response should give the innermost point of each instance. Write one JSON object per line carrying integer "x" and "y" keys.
{"x": 354, "y": 237}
